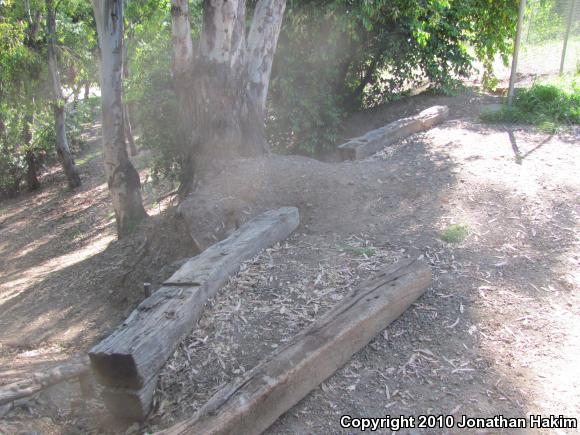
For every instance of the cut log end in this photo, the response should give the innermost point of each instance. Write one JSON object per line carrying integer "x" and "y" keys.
{"x": 128, "y": 361}
{"x": 108, "y": 368}
{"x": 130, "y": 405}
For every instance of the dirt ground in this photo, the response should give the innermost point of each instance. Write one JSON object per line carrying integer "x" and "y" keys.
{"x": 498, "y": 332}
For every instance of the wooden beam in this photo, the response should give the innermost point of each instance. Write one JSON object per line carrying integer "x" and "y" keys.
{"x": 128, "y": 404}
{"x": 132, "y": 356}
{"x": 375, "y": 140}
{"x": 253, "y": 403}
{"x": 42, "y": 380}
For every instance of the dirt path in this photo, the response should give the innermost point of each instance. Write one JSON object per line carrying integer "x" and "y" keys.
{"x": 59, "y": 266}
{"x": 498, "y": 332}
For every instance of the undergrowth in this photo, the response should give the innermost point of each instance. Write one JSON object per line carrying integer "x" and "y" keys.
{"x": 550, "y": 106}
{"x": 455, "y": 233}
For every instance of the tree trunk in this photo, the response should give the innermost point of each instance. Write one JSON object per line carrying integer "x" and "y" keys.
{"x": 262, "y": 42}
{"x": 126, "y": 116}
{"x": 129, "y": 130}
{"x": 122, "y": 178}
{"x": 32, "y": 181}
{"x": 62, "y": 148}
{"x": 182, "y": 68}
{"x": 31, "y": 160}
{"x": 227, "y": 85}
{"x": 218, "y": 99}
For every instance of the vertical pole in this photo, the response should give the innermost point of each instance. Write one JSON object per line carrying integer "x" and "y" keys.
{"x": 516, "y": 52}
{"x": 531, "y": 23}
{"x": 568, "y": 27}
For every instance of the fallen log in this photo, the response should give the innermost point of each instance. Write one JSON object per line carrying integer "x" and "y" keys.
{"x": 132, "y": 356}
{"x": 375, "y": 140}
{"x": 253, "y": 403}
{"x": 39, "y": 381}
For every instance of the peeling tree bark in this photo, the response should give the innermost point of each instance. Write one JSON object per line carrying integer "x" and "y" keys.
{"x": 122, "y": 178}
{"x": 262, "y": 42}
{"x": 62, "y": 147}
{"x": 227, "y": 83}
{"x": 217, "y": 87}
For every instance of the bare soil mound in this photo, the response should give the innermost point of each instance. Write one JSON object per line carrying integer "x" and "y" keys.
{"x": 339, "y": 198}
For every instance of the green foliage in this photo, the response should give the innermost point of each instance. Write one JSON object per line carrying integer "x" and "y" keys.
{"x": 305, "y": 87}
{"x": 338, "y": 56}
{"x": 11, "y": 159}
{"x": 149, "y": 89}
{"x": 13, "y": 146}
{"x": 333, "y": 57}
{"x": 455, "y": 233}
{"x": 27, "y": 133}
{"x": 547, "y": 105}
{"x": 546, "y": 20}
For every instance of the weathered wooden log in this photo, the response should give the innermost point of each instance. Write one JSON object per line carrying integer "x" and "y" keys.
{"x": 134, "y": 353}
{"x": 39, "y": 381}
{"x": 264, "y": 393}
{"x": 129, "y": 404}
{"x": 375, "y": 140}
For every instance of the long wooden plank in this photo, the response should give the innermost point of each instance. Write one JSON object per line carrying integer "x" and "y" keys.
{"x": 135, "y": 352}
{"x": 37, "y": 382}
{"x": 375, "y": 140}
{"x": 254, "y": 402}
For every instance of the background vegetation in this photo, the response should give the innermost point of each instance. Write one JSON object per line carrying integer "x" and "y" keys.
{"x": 550, "y": 105}
{"x": 27, "y": 133}
{"x": 334, "y": 57}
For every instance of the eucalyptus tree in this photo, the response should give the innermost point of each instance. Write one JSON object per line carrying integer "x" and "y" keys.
{"x": 62, "y": 147}
{"x": 122, "y": 177}
{"x": 222, "y": 89}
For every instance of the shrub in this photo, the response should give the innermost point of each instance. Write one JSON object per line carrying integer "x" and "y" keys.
{"x": 547, "y": 105}
{"x": 338, "y": 56}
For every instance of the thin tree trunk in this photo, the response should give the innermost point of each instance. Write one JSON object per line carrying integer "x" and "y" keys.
{"x": 129, "y": 130}
{"x": 62, "y": 148}
{"x": 122, "y": 178}
{"x": 32, "y": 181}
{"x": 181, "y": 40}
{"x": 126, "y": 116}
{"x": 262, "y": 42}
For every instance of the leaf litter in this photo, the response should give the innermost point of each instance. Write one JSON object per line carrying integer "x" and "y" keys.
{"x": 274, "y": 296}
